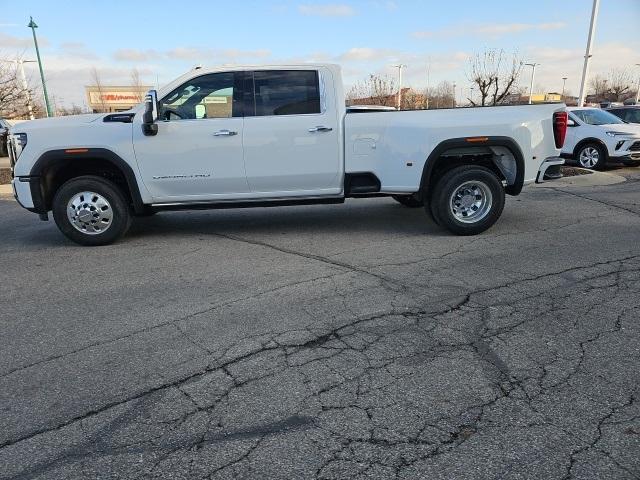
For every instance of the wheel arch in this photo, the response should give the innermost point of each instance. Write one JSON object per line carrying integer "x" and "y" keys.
{"x": 54, "y": 167}
{"x": 587, "y": 140}
{"x": 437, "y": 163}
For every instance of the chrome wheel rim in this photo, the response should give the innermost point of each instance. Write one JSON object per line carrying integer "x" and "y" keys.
{"x": 90, "y": 213}
{"x": 471, "y": 202}
{"x": 589, "y": 157}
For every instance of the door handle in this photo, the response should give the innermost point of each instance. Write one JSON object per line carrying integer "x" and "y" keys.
{"x": 225, "y": 133}
{"x": 320, "y": 128}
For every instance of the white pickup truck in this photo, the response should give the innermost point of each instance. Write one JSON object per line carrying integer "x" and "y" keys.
{"x": 277, "y": 135}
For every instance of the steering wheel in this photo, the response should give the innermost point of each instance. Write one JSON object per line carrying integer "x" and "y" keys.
{"x": 170, "y": 111}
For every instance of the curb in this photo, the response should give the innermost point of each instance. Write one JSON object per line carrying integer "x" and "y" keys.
{"x": 590, "y": 180}
{"x": 6, "y": 192}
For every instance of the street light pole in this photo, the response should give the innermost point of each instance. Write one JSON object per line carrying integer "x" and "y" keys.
{"x": 587, "y": 55}
{"x": 32, "y": 25}
{"x": 399, "y": 100}
{"x": 453, "y": 97}
{"x": 564, "y": 81}
{"x": 25, "y": 86}
{"x": 533, "y": 75}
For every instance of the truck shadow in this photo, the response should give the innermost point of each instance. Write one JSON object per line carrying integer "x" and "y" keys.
{"x": 375, "y": 216}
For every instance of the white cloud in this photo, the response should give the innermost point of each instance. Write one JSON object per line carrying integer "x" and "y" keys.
{"x": 358, "y": 54}
{"x": 207, "y": 55}
{"x": 135, "y": 55}
{"x": 488, "y": 30}
{"x": 326, "y": 10}
{"x": 9, "y": 41}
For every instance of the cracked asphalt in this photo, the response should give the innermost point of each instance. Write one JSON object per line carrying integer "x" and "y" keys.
{"x": 350, "y": 341}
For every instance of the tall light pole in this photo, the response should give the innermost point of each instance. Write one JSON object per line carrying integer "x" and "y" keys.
{"x": 533, "y": 75}
{"x": 428, "y": 82}
{"x": 32, "y": 25}
{"x": 399, "y": 67}
{"x": 453, "y": 97}
{"x": 564, "y": 81}
{"x": 587, "y": 55}
{"x": 638, "y": 89}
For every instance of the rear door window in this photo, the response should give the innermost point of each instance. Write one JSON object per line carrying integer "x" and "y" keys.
{"x": 286, "y": 92}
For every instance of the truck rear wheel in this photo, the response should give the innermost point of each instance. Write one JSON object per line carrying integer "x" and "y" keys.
{"x": 91, "y": 210}
{"x": 467, "y": 200}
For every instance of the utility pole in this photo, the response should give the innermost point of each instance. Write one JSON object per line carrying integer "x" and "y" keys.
{"x": 587, "y": 55}
{"x": 453, "y": 97}
{"x": 399, "y": 67}
{"x": 428, "y": 81}
{"x": 638, "y": 89}
{"x": 533, "y": 75}
{"x": 564, "y": 81}
{"x": 32, "y": 25}
{"x": 471, "y": 95}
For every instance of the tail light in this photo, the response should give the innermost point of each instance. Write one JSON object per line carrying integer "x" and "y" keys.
{"x": 559, "y": 128}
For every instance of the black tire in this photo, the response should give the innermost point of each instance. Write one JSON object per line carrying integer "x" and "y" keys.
{"x": 408, "y": 201}
{"x": 467, "y": 178}
{"x": 103, "y": 232}
{"x": 584, "y": 163}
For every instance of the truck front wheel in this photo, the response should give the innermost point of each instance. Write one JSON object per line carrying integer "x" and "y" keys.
{"x": 467, "y": 200}
{"x": 91, "y": 210}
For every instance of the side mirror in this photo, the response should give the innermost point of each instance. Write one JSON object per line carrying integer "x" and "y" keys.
{"x": 150, "y": 115}
{"x": 571, "y": 123}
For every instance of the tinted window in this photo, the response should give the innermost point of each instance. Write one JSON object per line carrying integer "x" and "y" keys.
{"x": 631, "y": 115}
{"x": 208, "y": 96}
{"x": 286, "y": 92}
{"x": 593, "y": 116}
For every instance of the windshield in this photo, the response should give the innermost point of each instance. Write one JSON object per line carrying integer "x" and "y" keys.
{"x": 593, "y": 116}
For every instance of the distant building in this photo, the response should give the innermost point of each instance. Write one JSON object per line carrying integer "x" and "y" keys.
{"x": 102, "y": 99}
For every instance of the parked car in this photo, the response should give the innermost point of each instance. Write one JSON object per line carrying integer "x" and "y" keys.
{"x": 4, "y": 133}
{"x": 596, "y": 136}
{"x": 277, "y": 135}
{"x": 628, "y": 113}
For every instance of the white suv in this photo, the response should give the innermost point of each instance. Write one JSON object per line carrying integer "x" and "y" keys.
{"x": 595, "y": 136}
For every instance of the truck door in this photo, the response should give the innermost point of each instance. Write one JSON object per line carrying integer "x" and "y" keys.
{"x": 292, "y": 136}
{"x": 197, "y": 153}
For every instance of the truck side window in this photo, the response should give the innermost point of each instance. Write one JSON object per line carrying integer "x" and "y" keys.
{"x": 208, "y": 96}
{"x": 286, "y": 92}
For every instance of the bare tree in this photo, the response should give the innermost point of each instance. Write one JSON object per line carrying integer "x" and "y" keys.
{"x": 413, "y": 100}
{"x": 440, "y": 96}
{"x": 95, "y": 78}
{"x": 598, "y": 85}
{"x": 73, "y": 110}
{"x": 620, "y": 84}
{"x": 136, "y": 84}
{"x": 375, "y": 90}
{"x": 15, "y": 97}
{"x": 495, "y": 75}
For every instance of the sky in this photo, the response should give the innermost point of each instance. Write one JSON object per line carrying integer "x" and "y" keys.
{"x": 163, "y": 39}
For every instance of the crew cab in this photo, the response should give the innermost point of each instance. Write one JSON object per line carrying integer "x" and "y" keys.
{"x": 277, "y": 135}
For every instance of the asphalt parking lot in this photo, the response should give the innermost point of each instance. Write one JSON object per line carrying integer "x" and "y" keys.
{"x": 346, "y": 341}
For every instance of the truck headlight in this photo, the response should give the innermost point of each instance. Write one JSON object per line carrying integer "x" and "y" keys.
{"x": 17, "y": 142}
